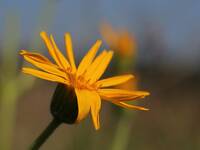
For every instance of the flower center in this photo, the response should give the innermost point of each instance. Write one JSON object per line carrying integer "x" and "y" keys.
{"x": 81, "y": 83}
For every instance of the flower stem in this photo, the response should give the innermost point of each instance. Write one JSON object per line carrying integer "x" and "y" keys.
{"x": 45, "y": 134}
{"x": 123, "y": 132}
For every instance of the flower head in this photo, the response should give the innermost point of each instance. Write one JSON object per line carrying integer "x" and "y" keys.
{"x": 119, "y": 40}
{"x": 84, "y": 79}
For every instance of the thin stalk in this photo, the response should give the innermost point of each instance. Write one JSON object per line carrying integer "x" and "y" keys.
{"x": 123, "y": 132}
{"x": 45, "y": 134}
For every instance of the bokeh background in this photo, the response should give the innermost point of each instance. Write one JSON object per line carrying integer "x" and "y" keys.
{"x": 166, "y": 62}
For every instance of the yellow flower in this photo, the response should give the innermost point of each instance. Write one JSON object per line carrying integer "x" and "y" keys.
{"x": 84, "y": 79}
{"x": 119, "y": 40}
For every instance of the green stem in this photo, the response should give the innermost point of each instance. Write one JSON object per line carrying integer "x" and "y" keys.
{"x": 122, "y": 134}
{"x": 45, "y": 134}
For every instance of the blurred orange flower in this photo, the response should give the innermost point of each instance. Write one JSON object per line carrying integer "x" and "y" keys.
{"x": 121, "y": 41}
{"x": 84, "y": 79}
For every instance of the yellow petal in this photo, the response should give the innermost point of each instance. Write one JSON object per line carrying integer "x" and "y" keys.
{"x": 50, "y": 48}
{"x": 95, "y": 108}
{"x": 129, "y": 106}
{"x": 69, "y": 49}
{"x": 119, "y": 93}
{"x": 116, "y": 95}
{"x": 121, "y": 99}
{"x": 36, "y": 57}
{"x": 44, "y": 64}
{"x": 93, "y": 66}
{"x": 84, "y": 103}
{"x": 63, "y": 61}
{"x": 100, "y": 69}
{"x": 44, "y": 75}
{"x": 114, "y": 80}
{"x": 87, "y": 60}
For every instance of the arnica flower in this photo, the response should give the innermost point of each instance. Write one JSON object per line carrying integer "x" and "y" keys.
{"x": 119, "y": 40}
{"x": 79, "y": 91}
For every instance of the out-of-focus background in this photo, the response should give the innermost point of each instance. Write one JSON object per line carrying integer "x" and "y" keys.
{"x": 166, "y": 62}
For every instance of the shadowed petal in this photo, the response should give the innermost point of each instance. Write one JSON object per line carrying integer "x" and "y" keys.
{"x": 121, "y": 98}
{"x": 36, "y": 57}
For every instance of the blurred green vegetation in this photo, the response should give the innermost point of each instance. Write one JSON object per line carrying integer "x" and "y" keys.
{"x": 12, "y": 83}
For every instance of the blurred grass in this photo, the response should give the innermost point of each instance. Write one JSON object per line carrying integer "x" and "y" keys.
{"x": 9, "y": 84}
{"x": 13, "y": 83}
{"x": 125, "y": 47}
{"x": 172, "y": 122}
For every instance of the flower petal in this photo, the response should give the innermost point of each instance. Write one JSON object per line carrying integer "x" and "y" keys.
{"x": 43, "y": 63}
{"x": 87, "y": 60}
{"x": 51, "y": 48}
{"x": 63, "y": 61}
{"x": 84, "y": 103}
{"x": 114, "y": 80}
{"x": 36, "y": 57}
{"x": 44, "y": 75}
{"x": 92, "y": 67}
{"x": 95, "y": 108}
{"x": 101, "y": 67}
{"x": 69, "y": 50}
{"x": 121, "y": 95}
{"x": 121, "y": 99}
{"x": 129, "y": 106}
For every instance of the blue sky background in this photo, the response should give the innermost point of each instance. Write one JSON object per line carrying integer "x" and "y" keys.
{"x": 176, "y": 23}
